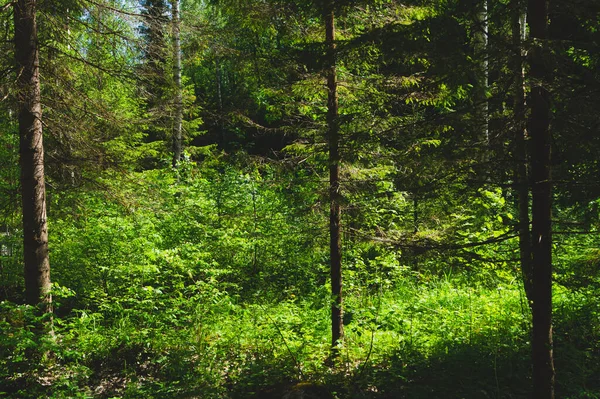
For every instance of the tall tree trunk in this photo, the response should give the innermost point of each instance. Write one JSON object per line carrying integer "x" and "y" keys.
{"x": 481, "y": 44}
{"x": 177, "y": 123}
{"x": 337, "y": 327}
{"x": 220, "y": 100}
{"x": 33, "y": 191}
{"x": 539, "y": 128}
{"x": 520, "y": 146}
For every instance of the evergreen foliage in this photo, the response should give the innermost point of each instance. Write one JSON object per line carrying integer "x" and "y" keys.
{"x": 212, "y": 279}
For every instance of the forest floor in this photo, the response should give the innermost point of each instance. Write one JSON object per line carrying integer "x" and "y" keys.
{"x": 429, "y": 339}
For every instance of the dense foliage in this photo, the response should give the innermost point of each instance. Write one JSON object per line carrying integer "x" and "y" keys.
{"x": 211, "y": 279}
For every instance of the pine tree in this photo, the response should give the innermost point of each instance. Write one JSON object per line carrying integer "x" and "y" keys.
{"x": 333, "y": 138}
{"x": 154, "y": 73}
{"x": 33, "y": 190}
{"x": 539, "y": 128}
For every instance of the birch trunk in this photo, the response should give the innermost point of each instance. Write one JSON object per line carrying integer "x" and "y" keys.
{"x": 481, "y": 44}
{"x": 178, "y": 120}
{"x": 520, "y": 145}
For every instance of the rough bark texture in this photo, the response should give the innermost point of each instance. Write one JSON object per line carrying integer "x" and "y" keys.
{"x": 33, "y": 192}
{"x": 177, "y": 123}
{"x": 539, "y": 123}
{"x": 520, "y": 145}
{"x": 337, "y": 328}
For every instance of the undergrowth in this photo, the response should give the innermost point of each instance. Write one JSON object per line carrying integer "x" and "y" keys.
{"x": 419, "y": 340}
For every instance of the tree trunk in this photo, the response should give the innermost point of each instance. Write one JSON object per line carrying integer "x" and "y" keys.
{"x": 539, "y": 123}
{"x": 337, "y": 327}
{"x": 33, "y": 192}
{"x": 220, "y": 101}
{"x": 481, "y": 44}
{"x": 177, "y": 123}
{"x": 520, "y": 146}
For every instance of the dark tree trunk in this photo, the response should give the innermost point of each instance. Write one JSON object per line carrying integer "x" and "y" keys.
{"x": 33, "y": 192}
{"x": 178, "y": 120}
{"x": 153, "y": 32}
{"x": 520, "y": 146}
{"x": 337, "y": 327}
{"x": 219, "y": 88}
{"x": 539, "y": 123}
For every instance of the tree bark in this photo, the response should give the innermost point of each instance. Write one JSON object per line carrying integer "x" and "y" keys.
{"x": 520, "y": 146}
{"x": 219, "y": 88}
{"x": 539, "y": 128}
{"x": 177, "y": 123}
{"x": 481, "y": 44}
{"x": 337, "y": 327}
{"x": 33, "y": 192}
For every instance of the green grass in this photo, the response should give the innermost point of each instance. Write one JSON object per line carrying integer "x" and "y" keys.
{"x": 413, "y": 337}
{"x": 438, "y": 337}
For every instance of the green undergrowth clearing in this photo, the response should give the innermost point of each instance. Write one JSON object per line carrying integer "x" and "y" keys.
{"x": 437, "y": 338}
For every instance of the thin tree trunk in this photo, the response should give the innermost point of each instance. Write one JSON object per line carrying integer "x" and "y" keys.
{"x": 415, "y": 213}
{"x": 33, "y": 192}
{"x": 520, "y": 145}
{"x": 481, "y": 44}
{"x": 177, "y": 124}
{"x": 539, "y": 128}
{"x": 256, "y": 60}
{"x": 220, "y": 100}
{"x": 337, "y": 327}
